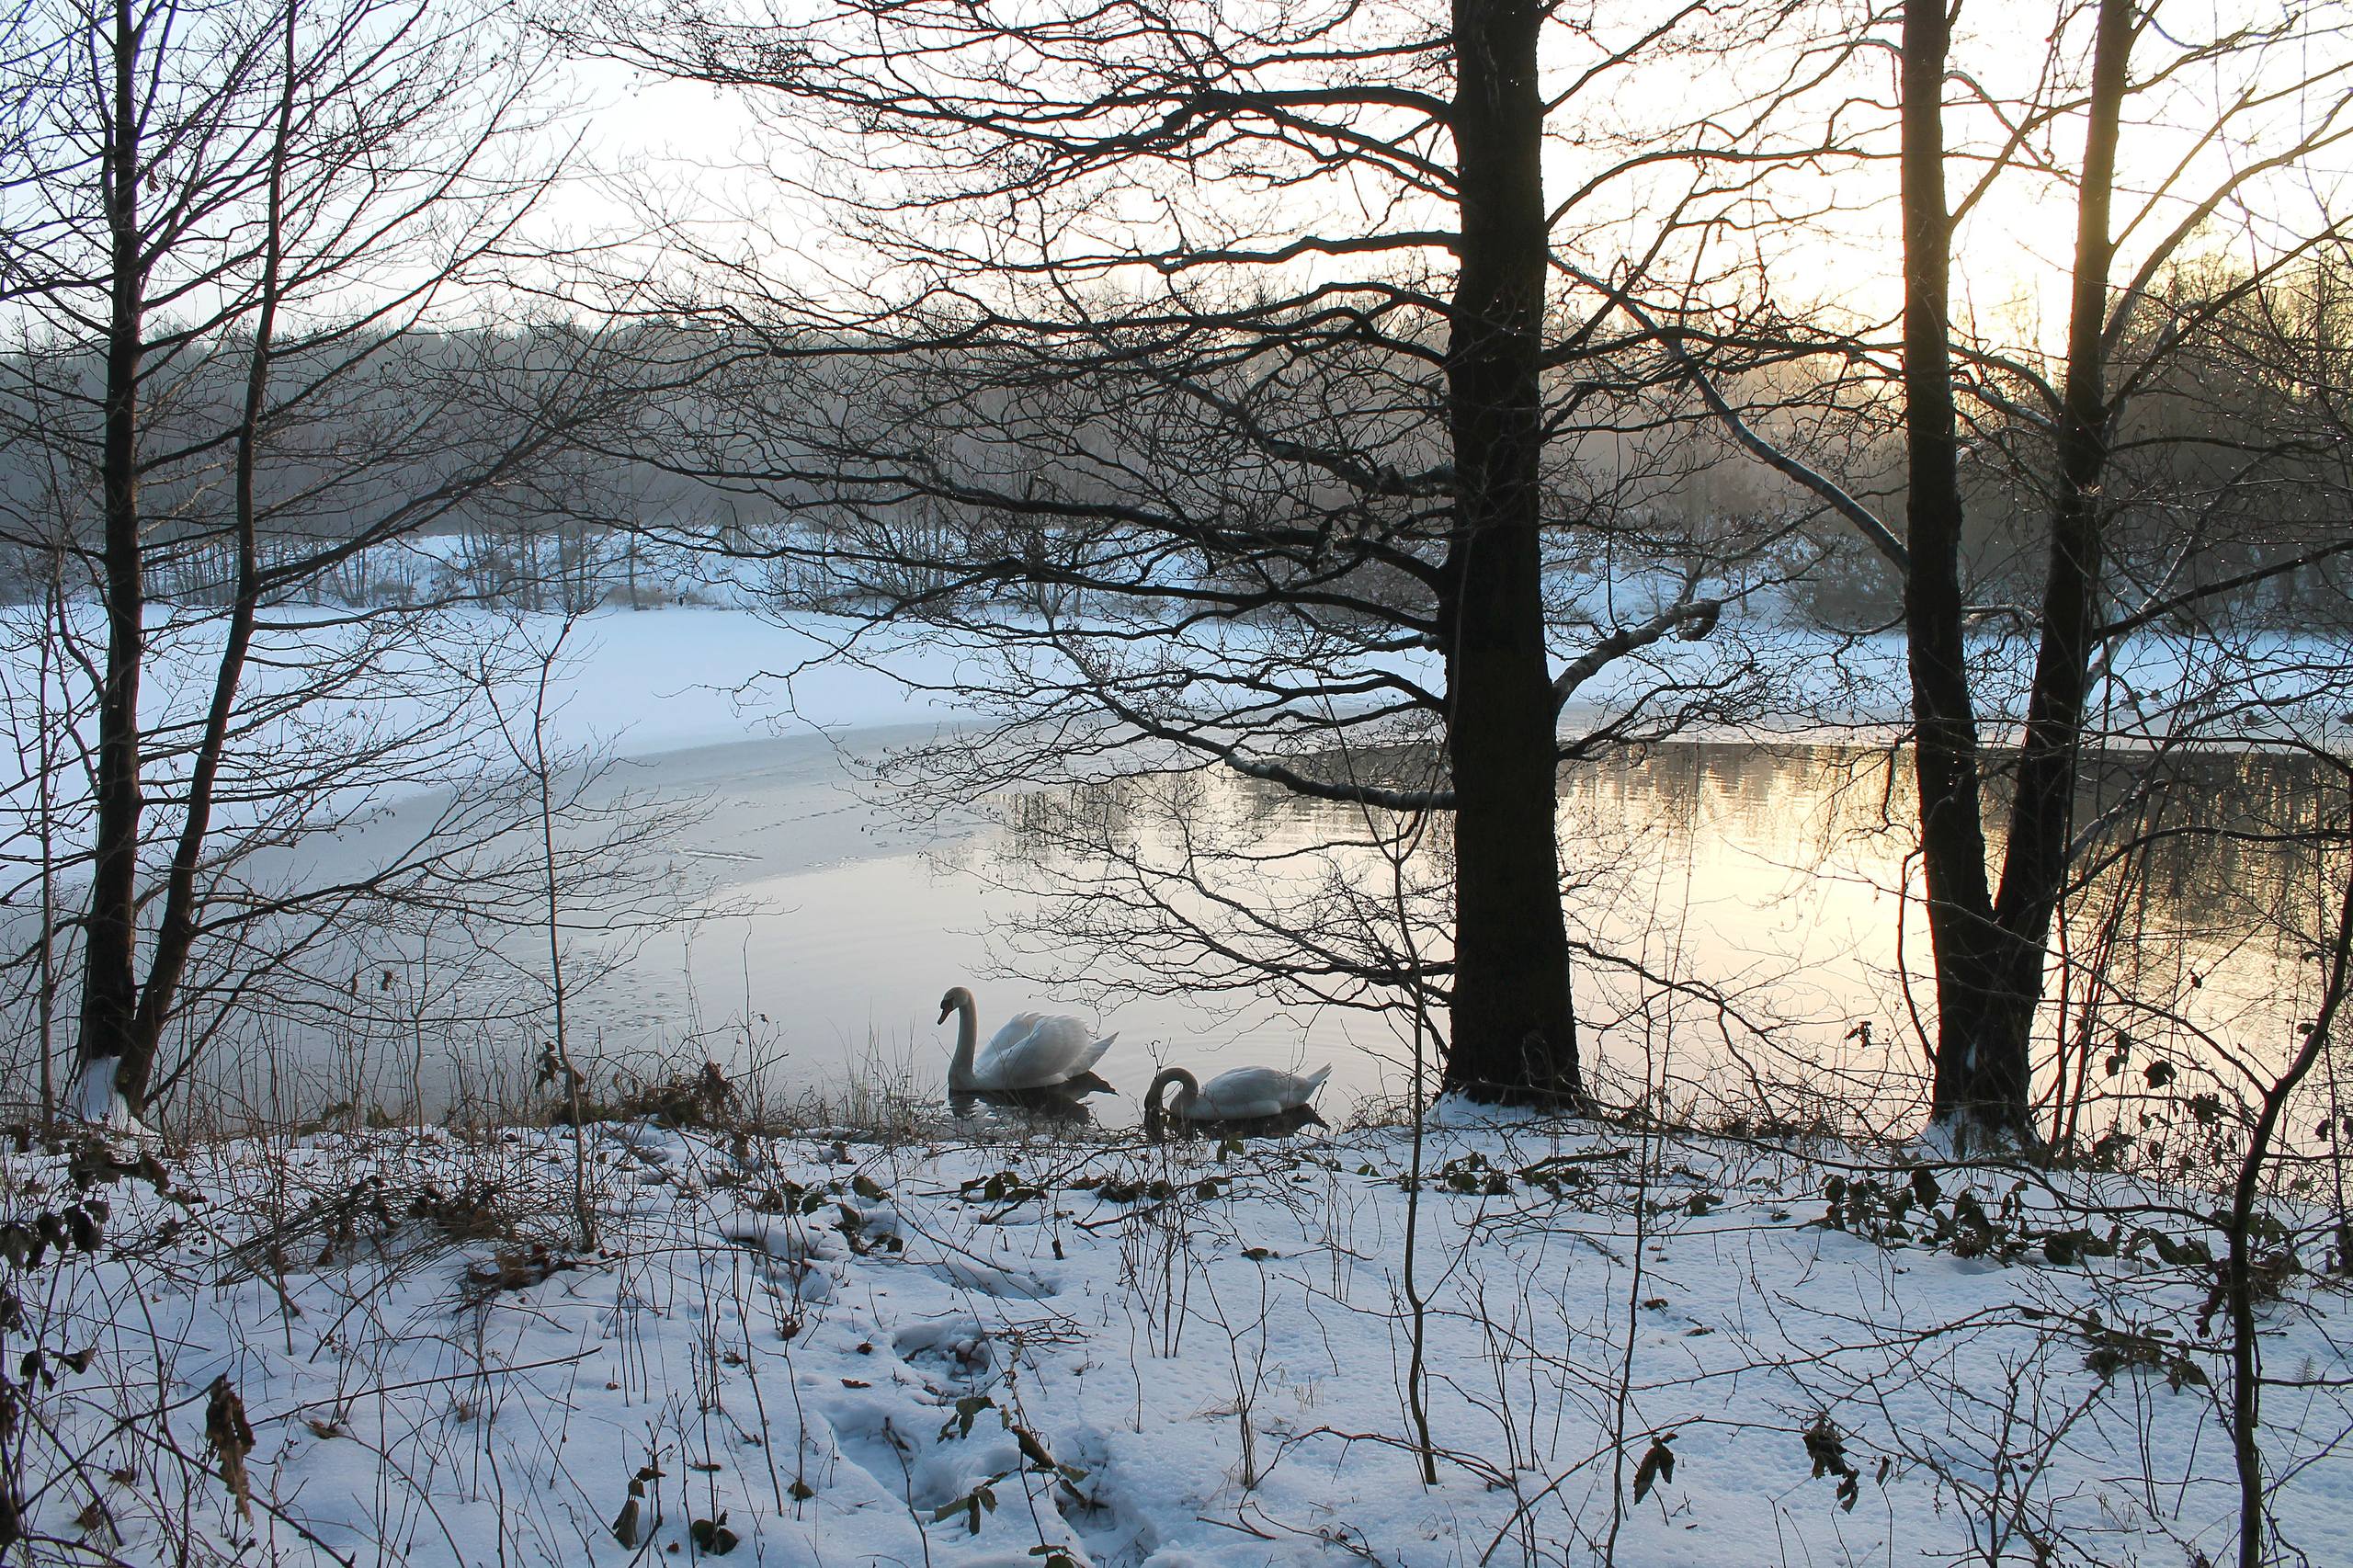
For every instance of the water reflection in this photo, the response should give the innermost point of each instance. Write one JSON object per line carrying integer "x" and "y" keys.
{"x": 1285, "y": 1124}
{"x": 1064, "y": 1104}
{"x": 1745, "y": 915}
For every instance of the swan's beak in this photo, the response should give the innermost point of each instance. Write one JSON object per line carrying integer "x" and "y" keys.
{"x": 944, "y": 1010}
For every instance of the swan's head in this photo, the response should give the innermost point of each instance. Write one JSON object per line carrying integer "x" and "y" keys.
{"x": 957, "y": 998}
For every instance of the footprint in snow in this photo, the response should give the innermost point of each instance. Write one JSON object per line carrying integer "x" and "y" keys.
{"x": 795, "y": 1251}
{"x": 960, "y": 1344}
{"x": 786, "y": 1240}
{"x": 989, "y": 1280}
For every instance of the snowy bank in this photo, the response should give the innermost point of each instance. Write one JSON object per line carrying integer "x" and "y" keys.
{"x": 1031, "y": 1348}
{"x": 640, "y": 683}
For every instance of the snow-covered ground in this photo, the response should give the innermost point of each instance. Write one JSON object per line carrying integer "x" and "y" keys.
{"x": 646, "y": 682}
{"x": 1036, "y": 1347}
{"x": 663, "y": 679}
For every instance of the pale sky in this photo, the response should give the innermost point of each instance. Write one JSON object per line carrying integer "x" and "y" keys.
{"x": 695, "y": 151}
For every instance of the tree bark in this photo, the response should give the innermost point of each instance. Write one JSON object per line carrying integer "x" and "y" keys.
{"x": 175, "y": 932}
{"x": 1952, "y": 837}
{"x": 1514, "y": 1029}
{"x": 1991, "y": 952}
{"x": 2238, "y": 1266}
{"x": 109, "y": 993}
{"x": 2043, "y": 811}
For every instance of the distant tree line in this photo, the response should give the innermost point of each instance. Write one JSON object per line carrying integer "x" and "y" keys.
{"x": 2235, "y": 449}
{"x": 417, "y": 415}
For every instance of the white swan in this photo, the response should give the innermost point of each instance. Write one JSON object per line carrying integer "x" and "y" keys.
{"x": 1241, "y": 1094}
{"x": 1033, "y": 1050}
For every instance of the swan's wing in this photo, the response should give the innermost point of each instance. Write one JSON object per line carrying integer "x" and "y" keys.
{"x": 1243, "y": 1093}
{"x": 1000, "y": 1063}
{"x": 1009, "y": 1034}
{"x": 1034, "y": 1050}
{"x": 1093, "y": 1053}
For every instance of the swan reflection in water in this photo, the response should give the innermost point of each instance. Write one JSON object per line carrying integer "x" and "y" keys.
{"x": 1280, "y": 1124}
{"x": 1064, "y": 1103}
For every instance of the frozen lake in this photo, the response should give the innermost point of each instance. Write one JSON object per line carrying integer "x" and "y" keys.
{"x": 1736, "y": 904}
{"x": 1738, "y": 901}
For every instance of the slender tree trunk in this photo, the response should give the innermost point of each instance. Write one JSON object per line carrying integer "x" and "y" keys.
{"x": 109, "y": 991}
{"x": 2042, "y": 814}
{"x": 542, "y": 770}
{"x": 1952, "y": 836}
{"x": 1514, "y": 1029}
{"x": 1991, "y": 953}
{"x": 2238, "y": 1266}
{"x": 175, "y": 933}
{"x": 52, "y": 639}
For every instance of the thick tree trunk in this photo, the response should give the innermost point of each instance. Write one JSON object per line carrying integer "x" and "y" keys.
{"x": 1514, "y": 1030}
{"x": 1952, "y": 834}
{"x": 109, "y": 993}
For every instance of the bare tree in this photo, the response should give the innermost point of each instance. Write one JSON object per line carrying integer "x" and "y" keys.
{"x": 1214, "y": 401}
{"x": 238, "y": 226}
{"x": 2270, "y": 93}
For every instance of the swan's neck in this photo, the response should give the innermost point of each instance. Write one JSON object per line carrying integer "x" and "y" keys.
{"x": 1189, "y": 1090}
{"x": 967, "y": 1029}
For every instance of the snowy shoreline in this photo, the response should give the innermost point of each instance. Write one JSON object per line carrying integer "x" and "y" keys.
{"x": 1041, "y": 1349}
{"x": 644, "y": 683}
